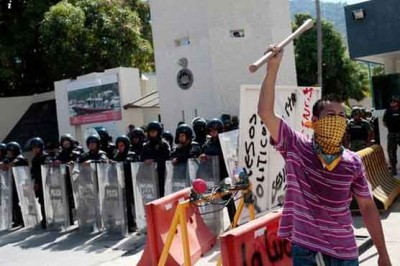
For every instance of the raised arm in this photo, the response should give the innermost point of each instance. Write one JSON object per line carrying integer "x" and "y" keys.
{"x": 267, "y": 95}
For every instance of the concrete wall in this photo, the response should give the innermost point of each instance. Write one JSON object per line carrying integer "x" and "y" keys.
{"x": 148, "y": 83}
{"x": 13, "y": 108}
{"x": 219, "y": 63}
{"x": 366, "y": 102}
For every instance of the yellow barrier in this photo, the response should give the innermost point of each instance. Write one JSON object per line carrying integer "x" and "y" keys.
{"x": 385, "y": 188}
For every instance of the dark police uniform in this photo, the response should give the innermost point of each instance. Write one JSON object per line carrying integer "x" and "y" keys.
{"x": 391, "y": 119}
{"x": 358, "y": 133}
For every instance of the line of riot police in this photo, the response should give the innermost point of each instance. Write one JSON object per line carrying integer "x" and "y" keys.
{"x": 153, "y": 146}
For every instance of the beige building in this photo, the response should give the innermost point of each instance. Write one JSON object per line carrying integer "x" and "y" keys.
{"x": 203, "y": 49}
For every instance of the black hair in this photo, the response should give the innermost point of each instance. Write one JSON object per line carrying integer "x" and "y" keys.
{"x": 319, "y": 105}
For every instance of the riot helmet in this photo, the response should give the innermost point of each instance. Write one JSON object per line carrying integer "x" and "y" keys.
{"x": 215, "y": 124}
{"x": 199, "y": 125}
{"x": 137, "y": 133}
{"x": 154, "y": 126}
{"x": 67, "y": 138}
{"x": 93, "y": 139}
{"x": 185, "y": 130}
{"x": 13, "y": 147}
{"x": 123, "y": 140}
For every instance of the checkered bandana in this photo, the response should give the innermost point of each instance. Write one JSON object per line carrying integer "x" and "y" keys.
{"x": 328, "y": 133}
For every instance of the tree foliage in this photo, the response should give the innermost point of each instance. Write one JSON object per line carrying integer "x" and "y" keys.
{"x": 92, "y": 35}
{"x": 22, "y": 69}
{"x": 47, "y": 40}
{"x": 341, "y": 75}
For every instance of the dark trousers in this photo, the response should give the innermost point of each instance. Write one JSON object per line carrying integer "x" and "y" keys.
{"x": 393, "y": 142}
{"x": 70, "y": 195}
{"x": 39, "y": 195}
{"x": 130, "y": 203}
{"x": 161, "y": 180}
{"x": 305, "y": 257}
{"x": 17, "y": 213}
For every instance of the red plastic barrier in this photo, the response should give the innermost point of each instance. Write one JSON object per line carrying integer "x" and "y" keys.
{"x": 256, "y": 243}
{"x": 159, "y": 215}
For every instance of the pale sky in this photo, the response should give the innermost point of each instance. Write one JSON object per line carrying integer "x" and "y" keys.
{"x": 347, "y": 1}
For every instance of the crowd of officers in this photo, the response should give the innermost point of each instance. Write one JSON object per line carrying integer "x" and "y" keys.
{"x": 198, "y": 140}
{"x": 363, "y": 130}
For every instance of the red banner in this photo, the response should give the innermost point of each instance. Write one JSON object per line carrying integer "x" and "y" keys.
{"x": 96, "y": 117}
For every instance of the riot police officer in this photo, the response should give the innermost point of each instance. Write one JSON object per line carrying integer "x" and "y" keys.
{"x": 359, "y": 133}
{"x": 106, "y": 145}
{"x": 95, "y": 154}
{"x": 169, "y": 138}
{"x": 213, "y": 148}
{"x": 52, "y": 149}
{"x": 137, "y": 138}
{"x": 199, "y": 125}
{"x": 14, "y": 158}
{"x": 39, "y": 157}
{"x": 3, "y": 151}
{"x": 186, "y": 148}
{"x": 391, "y": 119}
{"x": 156, "y": 150}
{"x": 68, "y": 152}
{"x": 127, "y": 157}
{"x": 234, "y": 123}
{"x": 67, "y": 155}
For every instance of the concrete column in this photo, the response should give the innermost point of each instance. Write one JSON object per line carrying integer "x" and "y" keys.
{"x": 390, "y": 65}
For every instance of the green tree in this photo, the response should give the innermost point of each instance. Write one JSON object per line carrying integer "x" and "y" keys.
{"x": 341, "y": 75}
{"x": 83, "y": 36}
{"x": 22, "y": 70}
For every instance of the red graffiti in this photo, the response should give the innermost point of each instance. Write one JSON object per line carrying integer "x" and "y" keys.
{"x": 307, "y": 92}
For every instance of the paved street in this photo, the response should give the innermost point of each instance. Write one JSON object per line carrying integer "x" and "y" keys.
{"x": 28, "y": 247}
{"x": 391, "y": 222}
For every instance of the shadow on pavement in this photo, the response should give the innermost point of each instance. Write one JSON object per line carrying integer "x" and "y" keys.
{"x": 41, "y": 238}
{"x": 72, "y": 240}
{"x": 10, "y": 231}
{"x": 17, "y": 236}
{"x": 359, "y": 223}
{"x": 132, "y": 245}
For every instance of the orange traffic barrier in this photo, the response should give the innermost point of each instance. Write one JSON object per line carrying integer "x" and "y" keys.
{"x": 159, "y": 216}
{"x": 256, "y": 243}
{"x": 385, "y": 188}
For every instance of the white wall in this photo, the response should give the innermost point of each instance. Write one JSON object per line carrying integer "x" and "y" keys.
{"x": 219, "y": 62}
{"x": 13, "y": 108}
{"x": 392, "y": 64}
{"x": 366, "y": 102}
{"x": 148, "y": 83}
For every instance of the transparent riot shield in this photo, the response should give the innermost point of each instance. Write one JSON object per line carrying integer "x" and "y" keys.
{"x": 230, "y": 149}
{"x": 176, "y": 177}
{"x": 112, "y": 197}
{"x": 145, "y": 189}
{"x": 30, "y": 206}
{"x": 85, "y": 189}
{"x": 6, "y": 207}
{"x": 208, "y": 170}
{"x": 55, "y": 197}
